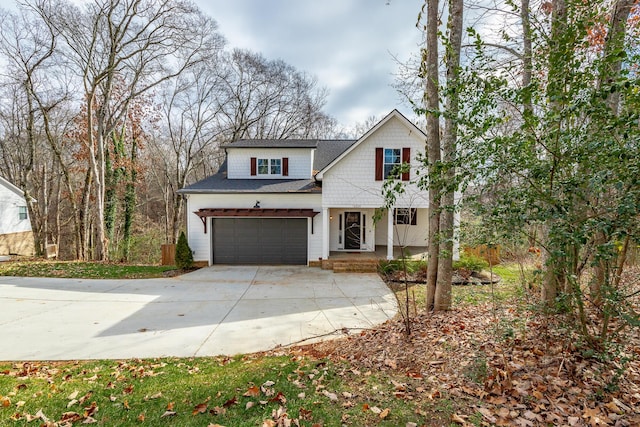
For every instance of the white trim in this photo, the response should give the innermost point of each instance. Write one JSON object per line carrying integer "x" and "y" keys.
{"x": 11, "y": 187}
{"x": 325, "y": 233}
{"x": 390, "y": 234}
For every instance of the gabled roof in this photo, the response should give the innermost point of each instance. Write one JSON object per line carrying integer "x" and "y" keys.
{"x": 11, "y": 187}
{"x": 394, "y": 113}
{"x": 328, "y": 150}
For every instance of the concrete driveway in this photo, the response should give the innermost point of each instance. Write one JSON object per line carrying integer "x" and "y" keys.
{"x": 212, "y": 311}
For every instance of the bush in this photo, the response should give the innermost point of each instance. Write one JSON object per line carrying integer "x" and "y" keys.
{"x": 470, "y": 263}
{"x": 184, "y": 255}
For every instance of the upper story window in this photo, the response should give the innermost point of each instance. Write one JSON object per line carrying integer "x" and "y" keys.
{"x": 391, "y": 160}
{"x": 22, "y": 212}
{"x": 270, "y": 166}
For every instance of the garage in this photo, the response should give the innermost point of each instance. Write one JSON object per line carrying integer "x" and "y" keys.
{"x": 257, "y": 240}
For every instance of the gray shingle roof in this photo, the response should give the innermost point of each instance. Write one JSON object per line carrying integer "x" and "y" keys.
{"x": 219, "y": 183}
{"x": 326, "y": 151}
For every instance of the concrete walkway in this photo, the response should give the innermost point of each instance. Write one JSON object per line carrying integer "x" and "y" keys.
{"x": 212, "y": 311}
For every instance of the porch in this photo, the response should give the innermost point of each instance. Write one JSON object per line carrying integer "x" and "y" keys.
{"x": 367, "y": 262}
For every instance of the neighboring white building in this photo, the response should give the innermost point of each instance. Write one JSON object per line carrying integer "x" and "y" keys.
{"x": 297, "y": 201}
{"x": 16, "y": 236}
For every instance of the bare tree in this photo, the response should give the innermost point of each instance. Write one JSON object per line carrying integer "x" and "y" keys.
{"x": 140, "y": 42}
{"x": 261, "y": 98}
{"x": 190, "y": 105}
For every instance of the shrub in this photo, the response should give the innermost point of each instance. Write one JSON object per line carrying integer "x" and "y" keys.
{"x": 184, "y": 255}
{"x": 470, "y": 263}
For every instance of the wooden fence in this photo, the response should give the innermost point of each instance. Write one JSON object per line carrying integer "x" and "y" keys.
{"x": 168, "y": 254}
{"x": 489, "y": 254}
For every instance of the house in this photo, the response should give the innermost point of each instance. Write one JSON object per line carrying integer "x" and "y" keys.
{"x": 300, "y": 201}
{"x": 16, "y": 236}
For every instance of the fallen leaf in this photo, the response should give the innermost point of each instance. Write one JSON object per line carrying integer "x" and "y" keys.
{"x": 230, "y": 402}
{"x": 375, "y": 410}
{"x": 249, "y": 405}
{"x": 89, "y": 420}
{"x": 200, "y": 408}
{"x": 252, "y": 391}
{"x": 280, "y": 398}
{"x": 153, "y": 396}
{"x": 487, "y": 414}
{"x": 384, "y": 414}
{"x": 168, "y": 414}
{"x": 141, "y": 417}
{"x": 170, "y": 406}
{"x": 217, "y": 410}
{"x": 41, "y": 415}
{"x": 331, "y": 396}
{"x": 73, "y": 395}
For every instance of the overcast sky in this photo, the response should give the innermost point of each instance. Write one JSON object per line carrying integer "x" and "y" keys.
{"x": 348, "y": 45}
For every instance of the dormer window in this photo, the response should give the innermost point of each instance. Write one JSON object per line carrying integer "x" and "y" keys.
{"x": 270, "y": 167}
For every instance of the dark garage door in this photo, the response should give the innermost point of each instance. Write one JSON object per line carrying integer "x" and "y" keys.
{"x": 259, "y": 240}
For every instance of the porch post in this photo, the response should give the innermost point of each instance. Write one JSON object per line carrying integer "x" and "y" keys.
{"x": 325, "y": 233}
{"x": 390, "y": 234}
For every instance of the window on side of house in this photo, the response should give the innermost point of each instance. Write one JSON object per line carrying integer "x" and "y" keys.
{"x": 405, "y": 216}
{"x": 392, "y": 158}
{"x": 269, "y": 166}
{"x": 22, "y": 212}
{"x": 276, "y": 166}
{"x": 263, "y": 166}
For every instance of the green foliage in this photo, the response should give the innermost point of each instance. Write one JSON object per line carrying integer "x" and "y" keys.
{"x": 184, "y": 255}
{"x": 390, "y": 266}
{"x": 470, "y": 263}
{"x": 561, "y": 172}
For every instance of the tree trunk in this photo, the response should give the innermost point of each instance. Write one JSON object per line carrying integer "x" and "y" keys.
{"x": 432, "y": 105}
{"x": 527, "y": 57}
{"x": 130, "y": 201}
{"x": 452, "y": 59}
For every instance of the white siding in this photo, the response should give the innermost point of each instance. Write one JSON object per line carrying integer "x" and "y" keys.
{"x": 10, "y": 203}
{"x": 200, "y": 242}
{"x": 405, "y": 235}
{"x": 239, "y": 162}
{"x": 351, "y": 182}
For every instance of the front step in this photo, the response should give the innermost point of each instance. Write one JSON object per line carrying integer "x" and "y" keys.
{"x": 355, "y": 266}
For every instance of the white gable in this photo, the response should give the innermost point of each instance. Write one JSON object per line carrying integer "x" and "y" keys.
{"x": 349, "y": 181}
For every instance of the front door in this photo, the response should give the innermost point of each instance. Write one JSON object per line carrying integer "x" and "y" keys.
{"x": 352, "y": 231}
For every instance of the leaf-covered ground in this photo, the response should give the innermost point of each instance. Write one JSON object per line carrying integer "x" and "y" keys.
{"x": 501, "y": 364}
{"x": 493, "y": 360}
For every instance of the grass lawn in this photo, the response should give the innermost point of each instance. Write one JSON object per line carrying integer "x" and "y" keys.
{"x": 510, "y": 286}
{"x": 82, "y": 269}
{"x": 243, "y": 391}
